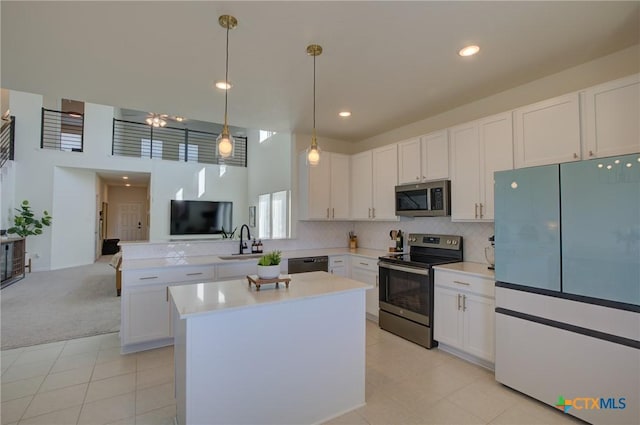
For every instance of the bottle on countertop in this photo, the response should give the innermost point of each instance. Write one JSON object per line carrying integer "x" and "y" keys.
{"x": 254, "y": 247}
{"x": 259, "y": 246}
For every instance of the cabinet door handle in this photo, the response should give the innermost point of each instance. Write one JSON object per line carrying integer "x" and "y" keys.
{"x": 476, "y": 211}
{"x": 575, "y": 155}
{"x": 461, "y": 283}
{"x": 338, "y": 261}
{"x": 590, "y": 153}
{"x": 373, "y": 212}
{"x": 327, "y": 212}
{"x": 167, "y": 294}
{"x": 417, "y": 177}
{"x": 481, "y": 210}
{"x": 194, "y": 274}
{"x": 458, "y": 301}
{"x": 148, "y": 277}
{"x": 464, "y": 303}
{"x": 369, "y": 213}
{"x": 333, "y": 213}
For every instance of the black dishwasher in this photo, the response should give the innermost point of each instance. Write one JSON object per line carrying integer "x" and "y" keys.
{"x": 308, "y": 264}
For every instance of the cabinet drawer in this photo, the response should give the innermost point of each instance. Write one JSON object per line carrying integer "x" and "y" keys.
{"x": 167, "y": 275}
{"x": 465, "y": 282}
{"x": 364, "y": 263}
{"x": 337, "y": 261}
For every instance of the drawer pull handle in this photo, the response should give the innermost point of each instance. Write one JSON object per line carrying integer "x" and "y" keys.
{"x": 194, "y": 274}
{"x": 461, "y": 283}
{"x": 338, "y": 261}
{"x": 148, "y": 277}
{"x": 364, "y": 264}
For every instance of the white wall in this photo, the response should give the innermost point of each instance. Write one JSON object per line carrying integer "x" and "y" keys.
{"x": 34, "y": 179}
{"x": 7, "y": 194}
{"x": 270, "y": 166}
{"x": 222, "y": 184}
{"x": 74, "y": 217}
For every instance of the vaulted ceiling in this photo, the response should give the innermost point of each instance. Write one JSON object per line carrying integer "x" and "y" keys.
{"x": 389, "y": 62}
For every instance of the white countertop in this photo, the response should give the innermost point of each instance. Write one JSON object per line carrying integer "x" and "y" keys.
{"x": 203, "y": 260}
{"x": 476, "y": 269}
{"x": 216, "y": 297}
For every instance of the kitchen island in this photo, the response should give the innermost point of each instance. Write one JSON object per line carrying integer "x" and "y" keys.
{"x": 274, "y": 356}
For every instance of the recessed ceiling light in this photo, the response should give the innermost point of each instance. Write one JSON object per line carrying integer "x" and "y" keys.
{"x": 345, "y": 114}
{"x": 125, "y": 178}
{"x": 223, "y": 85}
{"x": 469, "y": 50}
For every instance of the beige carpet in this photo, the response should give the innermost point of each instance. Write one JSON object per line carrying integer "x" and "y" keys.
{"x": 61, "y": 304}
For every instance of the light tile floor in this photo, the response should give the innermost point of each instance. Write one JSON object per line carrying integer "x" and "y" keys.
{"x": 88, "y": 381}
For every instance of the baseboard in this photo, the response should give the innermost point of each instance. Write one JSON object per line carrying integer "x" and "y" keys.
{"x": 142, "y": 346}
{"x": 466, "y": 356}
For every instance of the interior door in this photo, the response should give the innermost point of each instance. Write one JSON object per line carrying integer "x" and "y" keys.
{"x": 130, "y": 222}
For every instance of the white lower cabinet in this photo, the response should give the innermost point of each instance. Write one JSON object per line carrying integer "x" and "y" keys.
{"x": 464, "y": 314}
{"x": 145, "y": 321}
{"x": 148, "y": 314}
{"x": 366, "y": 270}
{"x": 338, "y": 265}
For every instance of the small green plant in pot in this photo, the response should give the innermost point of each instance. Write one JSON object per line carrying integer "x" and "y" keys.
{"x": 269, "y": 265}
{"x": 25, "y": 224}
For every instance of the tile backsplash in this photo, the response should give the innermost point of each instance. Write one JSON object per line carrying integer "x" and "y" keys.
{"x": 375, "y": 235}
{"x": 329, "y": 234}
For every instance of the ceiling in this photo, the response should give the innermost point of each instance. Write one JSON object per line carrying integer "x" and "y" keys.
{"x": 117, "y": 178}
{"x": 389, "y": 62}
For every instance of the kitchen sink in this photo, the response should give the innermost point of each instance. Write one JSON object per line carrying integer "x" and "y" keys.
{"x": 239, "y": 256}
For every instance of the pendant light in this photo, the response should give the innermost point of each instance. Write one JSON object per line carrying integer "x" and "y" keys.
{"x": 313, "y": 151}
{"x": 225, "y": 141}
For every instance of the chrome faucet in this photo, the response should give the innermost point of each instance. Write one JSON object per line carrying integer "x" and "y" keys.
{"x": 243, "y": 246}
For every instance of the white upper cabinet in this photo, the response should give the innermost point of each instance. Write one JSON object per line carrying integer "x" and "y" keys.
{"x": 465, "y": 172}
{"x": 361, "y": 185}
{"x": 435, "y": 155}
{"x": 324, "y": 189}
{"x": 385, "y": 179}
{"x": 409, "y": 161}
{"x": 374, "y": 175}
{"x": 425, "y": 158}
{"x": 612, "y": 118}
{"x": 548, "y": 132}
{"x": 478, "y": 149}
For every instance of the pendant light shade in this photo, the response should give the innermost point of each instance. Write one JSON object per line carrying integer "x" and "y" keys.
{"x": 313, "y": 151}
{"x": 224, "y": 141}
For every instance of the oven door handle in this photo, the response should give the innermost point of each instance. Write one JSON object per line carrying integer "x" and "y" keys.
{"x": 415, "y": 270}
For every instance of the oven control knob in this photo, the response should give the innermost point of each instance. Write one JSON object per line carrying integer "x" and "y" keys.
{"x": 455, "y": 242}
{"x": 448, "y": 241}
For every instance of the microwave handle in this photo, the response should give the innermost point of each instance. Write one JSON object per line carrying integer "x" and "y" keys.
{"x": 428, "y": 199}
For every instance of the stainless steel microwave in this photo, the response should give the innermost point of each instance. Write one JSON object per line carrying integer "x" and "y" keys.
{"x": 428, "y": 199}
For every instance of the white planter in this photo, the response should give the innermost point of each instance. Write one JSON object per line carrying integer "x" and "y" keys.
{"x": 268, "y": 272}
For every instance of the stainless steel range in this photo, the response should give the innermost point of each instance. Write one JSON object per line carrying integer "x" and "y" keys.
{"x": 406, "y": 285}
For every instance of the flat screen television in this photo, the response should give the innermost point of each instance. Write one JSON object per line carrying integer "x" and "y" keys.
{"x": 200, "y": 217}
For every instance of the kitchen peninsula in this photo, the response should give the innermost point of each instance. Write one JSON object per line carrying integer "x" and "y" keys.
{"x": 278, "y": 355}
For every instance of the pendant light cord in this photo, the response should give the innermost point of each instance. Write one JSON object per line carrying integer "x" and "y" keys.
{"x": 226, "y": 77}
{"x": 314, "y": 95}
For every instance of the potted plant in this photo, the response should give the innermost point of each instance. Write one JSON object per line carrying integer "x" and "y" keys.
{"x": 25, "y": 224}
{"x": 269, "y": 265}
